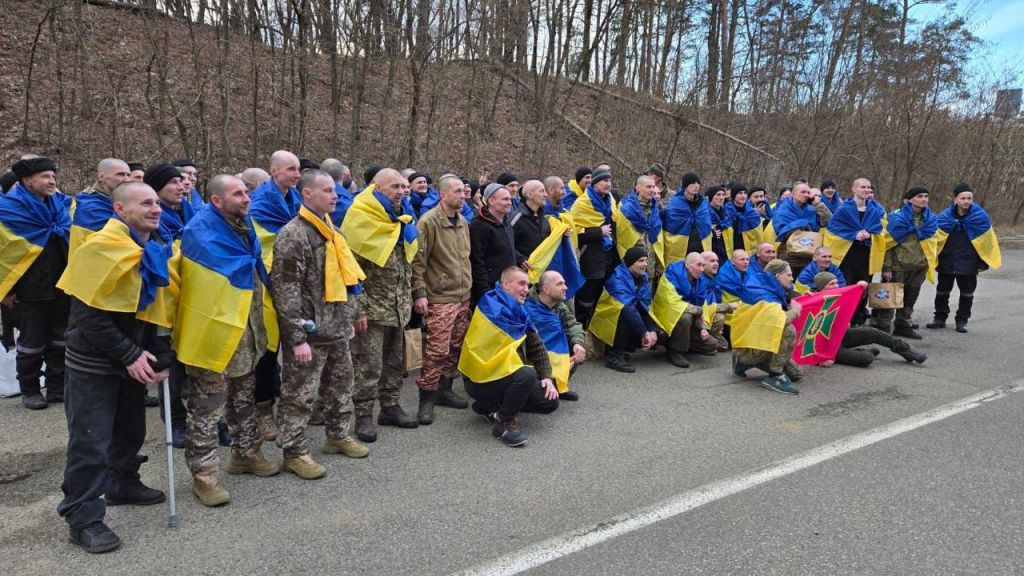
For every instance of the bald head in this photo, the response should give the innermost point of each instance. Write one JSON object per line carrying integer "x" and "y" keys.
{"x": 555, "y": 189}
{"x": 765, "y": 253}
{"x": 392, "y": 184}
{"x": 252, "y": 177}
{"x": 284, "y": 170}
{"x": 111, "y": 172}
{"x": 740, "y": 260}
{"x": 710, "y": 263}
{"x": 334, "y": 167}
{"x": 694, "y": 265}
{"x": 137, "y": 205}
{"x": 533, "y": 194}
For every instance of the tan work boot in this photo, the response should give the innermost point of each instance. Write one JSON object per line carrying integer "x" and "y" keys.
{"x": 251, "y": 461}
{"x": 304, "y": 467}
{"x": 347, "y": 445}
{"x": 207, "y": 488}
{"x": 265, "y": 419}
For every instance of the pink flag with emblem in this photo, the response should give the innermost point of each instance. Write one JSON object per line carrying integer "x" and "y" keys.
{"x": 823, "y": 321}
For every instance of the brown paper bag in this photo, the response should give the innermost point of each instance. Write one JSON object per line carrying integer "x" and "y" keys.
{"x": 885, "y": 295}
{"x": 413, "y": 349}
{"x": 803, "y": 243}
{"x": 594, "y": 346}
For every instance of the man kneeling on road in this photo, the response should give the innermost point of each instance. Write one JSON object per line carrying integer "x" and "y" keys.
{"x": 678, "y": 309}
{"x": 500, "y": 384}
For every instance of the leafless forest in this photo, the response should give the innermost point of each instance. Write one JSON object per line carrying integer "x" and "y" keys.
{"x": 758, "y": 90}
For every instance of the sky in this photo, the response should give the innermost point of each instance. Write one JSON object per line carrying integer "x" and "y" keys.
{"x": 1000, "y": 23}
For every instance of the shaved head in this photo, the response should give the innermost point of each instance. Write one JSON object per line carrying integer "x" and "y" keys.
{"x": 282, "y": 158}
{"x": 252, "y": 177}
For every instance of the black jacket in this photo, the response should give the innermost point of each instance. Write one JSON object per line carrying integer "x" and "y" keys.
{"x": 530, "y": 229}
{"x": 492, "y": 248}
{"x": 101, "y": 342}
{"x": 958, "y": 255}
{"x": 40, "y": 280}
{"x": 595, "y": 261}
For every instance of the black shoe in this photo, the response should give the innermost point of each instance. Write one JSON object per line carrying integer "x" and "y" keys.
{"x": 490, "y": 417}
{"x": 178, "y": 434}
{"x": 508, "y": 433}
{"x": 95, "y": 538}
{"x": 152, "y": 401}
{"x": 915, "y": 325}
{"x": 908, "y": 333}
{"x": 678, "y": 360}
{"x": 395, "y": 416}
{"x": 34, "y": 401}
{"x": 936, "y": 325}
{"x": 55, "y": 397}
{"x": 447, "y": 397}
{"x": 222, "y": 433}
{"x": 618, "y": 362}
{"x": 874, "y": 351}
{"x": 365, "y": 431}
{"x": 961, "y": 327}
{"x": 132, "y": 492}
{"x": 569, "y": 396}
{"x": 907, "y": 353}
{"x": 425, "y": 414}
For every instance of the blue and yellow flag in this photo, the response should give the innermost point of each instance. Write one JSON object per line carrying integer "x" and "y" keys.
{"x": 92, "y": 210}
{"x": 620, "y": 290}
{"x": 491, "y": 348}
{"x": 172, "y": 224}
{"x": 345, "y": 200}
{"x": 680, "y": 219}
{"x": 573, "y": 192}
{"x": 902, "y": 223}
{"x": 847, "y": 222}
{"x": 758, "y": 326}
{"x": 218, "y": 271}
{"x": 549, "y": 327}
{"x": 631, "y": 226}
{"x": 556, "y": 253}
{"x": 269, "y": 211}
{"x": 592, "y": 210}
{"x": 787, "y": 216}
{"x": 805, "y": 281}
{"x": 373, "y": 230}
{"x": 748, "y": 222}
{"x": 731, "y": 282}
{"x": 721, "y": 219}
{"x": 675, "y": 292}
{"x": 26, "y": 225}
{"x": 980, "y": 232}
{"x": 114, "y": 270}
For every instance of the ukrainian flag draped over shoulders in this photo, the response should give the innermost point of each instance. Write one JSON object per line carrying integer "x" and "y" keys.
{"x": 92, "y": 210}
{"x": 846, "y": 222}
{"x": 373, "y": 230}
{"x": 978, "y": 226}
{"x": 675, "y": 293}
{"x": 345, "y": 200}
{"x": 498, "y": 327}
{"x": 556, "y": 253}
{"x": 216, "y": 290}
{"x": 620, "y": 290}
{"x": 748, "y": 222}
{"x": 592, "y": 210}
{"x": 901, "y": 224}
{"x": 631, "y": 226}
{"x": 573, "y": 192}
{"x": 760, "y": 319}
{"x": 549, "y": 327}
{"x": 731, "y": 281}
{"x": 680, "y": 218}
{"x": 787, "y": 216}
{"x": 26, "y": 225}
{"x": 269, "y": 211}
{"x": 114, "y": 270}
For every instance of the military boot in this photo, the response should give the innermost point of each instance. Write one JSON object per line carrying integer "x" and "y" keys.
{"x": 426, "y": 412}
{"x": 448, "y": 397}
{"x": 251, "y": 461}
{"x": 304, "y": 467}
{"x": 207, "y": 488}
{"x": 909, "y": 354}
{"x": 265, "y": 419}
{"x": 395, "y": 416}
{"x": 677, "y": 344}
{"x": 365, "y": 430}
{"x": 346, "y": 445}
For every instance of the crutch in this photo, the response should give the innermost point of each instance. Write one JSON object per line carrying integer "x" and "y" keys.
{"x": 172, "y": 518}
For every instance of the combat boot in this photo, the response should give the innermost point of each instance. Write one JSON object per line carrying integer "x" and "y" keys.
{"x": 426, "y": 412}
{"x": 365, "y": 430}
{"x": 304, "y": 467}
{"x": 207, "y": 488}
{"x": 346, "y": 445}
{"x": 448, "y": 397}
{"x": 265, "y": 419}
{"x": 251, "y": 461}
{"x": 395, "y": 416}
{"x": 909, "y": 354}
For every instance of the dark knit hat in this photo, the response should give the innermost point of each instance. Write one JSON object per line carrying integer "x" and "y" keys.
{"x": 26, "y": 168}
{"x": 735, "y": 188}
{"x": 582, "y": 172}
{"x": 689, "y": 178}
{"x": 776, "y": 266}
{"x": 657, "y": 169}
{"x": 371, "y": 172}
{"x": 633, "y": 254}
{"x": 821, "y": 279}
{"x": 307, "y": 164}
{"x": 182, "y": 162}
{"x": 828, "y": 183}
{"x": 758, "y": 189}
{"x": 914, "y": 192}
{"x": 506, "y": 178}
{"x": 712, "y": 190}
{"x": 960, "y": 188}
{"x": 416, "y": 175}
{"x": 599, "y": 176}
{"x": 7, "y": 181}
{"x": 133, "y": 166}
{"x": 158, "y": 175}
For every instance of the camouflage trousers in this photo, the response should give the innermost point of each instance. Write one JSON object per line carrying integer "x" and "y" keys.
{"x": 379, "y": 358}
{"x": 685, "y": 337}
{"x": 777, "y": 363}
{"x": 446, "y": 328}
{"x": 327, "y": 377}
{"x": 209, "y": 396}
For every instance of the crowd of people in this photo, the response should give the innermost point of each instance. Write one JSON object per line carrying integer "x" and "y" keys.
{"x": 280, "y": 298}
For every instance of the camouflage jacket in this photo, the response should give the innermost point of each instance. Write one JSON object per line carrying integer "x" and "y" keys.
{"x": 297, "y": 282}
{"x": 387, "y": 290}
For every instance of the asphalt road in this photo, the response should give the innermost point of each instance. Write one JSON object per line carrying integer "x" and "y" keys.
{"x": 944, "y": 498}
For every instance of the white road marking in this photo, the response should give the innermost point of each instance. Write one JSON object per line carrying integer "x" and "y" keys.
{"x": 571, "y": 542}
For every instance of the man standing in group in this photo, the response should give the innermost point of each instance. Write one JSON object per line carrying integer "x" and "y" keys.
{"x": 593, "y": 215}
{"x": 34, "y": 231}
{"x": 911, "y": 230}
{"x": 854, "y": 234}
{"x": 529, "y": 222}
{"x": 687, "y": 220}
{"x": 441, "y": 284}
{"x": 171, "y": 188}
{"x": 791, "y": 214}
{"x": 313, "y": 274}
{"x": 385, "y": 240}
{"x": 95, "y": 204}
{"x": 554, "y": 189}
{"x": 492, "y": 240}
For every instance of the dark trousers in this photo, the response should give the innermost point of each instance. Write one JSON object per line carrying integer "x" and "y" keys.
{"x": 912, "y": 281}
{"x": 967, "y": 286}
{"x": 41, "y": 327}
{"x": 518, "y": 392}
{"x": 176, "y": 383}
{"x": 585, "y": 300}
{"x": 628, "y": 335}
{"x": 268, "y": 377}
{"x": 855, "y": 268}
{"x": 862, "y": 336}
{"x": 106, "y": 428}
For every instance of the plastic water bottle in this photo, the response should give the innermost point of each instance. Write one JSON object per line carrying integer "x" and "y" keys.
{"x": 308, "y": 325}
